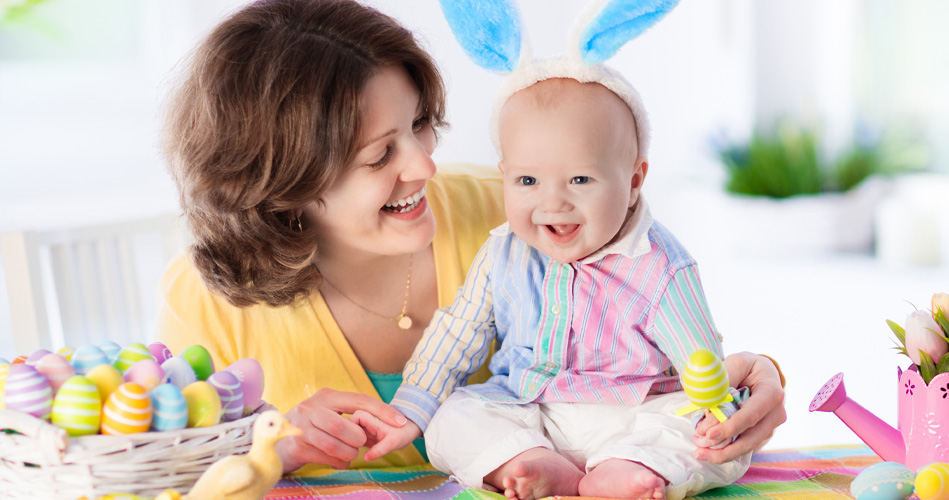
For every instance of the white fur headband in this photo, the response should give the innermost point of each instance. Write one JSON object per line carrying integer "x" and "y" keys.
{"x": 490, "y": 33}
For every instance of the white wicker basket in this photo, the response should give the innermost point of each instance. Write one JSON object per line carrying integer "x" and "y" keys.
{"x": 40, "y": 461}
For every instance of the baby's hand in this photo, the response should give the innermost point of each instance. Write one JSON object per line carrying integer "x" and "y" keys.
{"x": 701, "y": 438}
{"x": 382, "y": 437}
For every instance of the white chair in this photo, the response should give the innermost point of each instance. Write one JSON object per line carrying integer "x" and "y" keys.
{"x": 84, "y": 285}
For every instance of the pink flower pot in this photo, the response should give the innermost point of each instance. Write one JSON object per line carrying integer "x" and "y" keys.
{"x": 924, "y": 418}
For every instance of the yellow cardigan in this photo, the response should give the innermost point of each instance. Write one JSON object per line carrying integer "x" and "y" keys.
{"x": 301, "y": 347}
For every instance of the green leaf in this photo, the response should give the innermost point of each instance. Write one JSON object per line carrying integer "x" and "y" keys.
{"x": 943, "y": 365}
{"x": 898, "y": 330}
{"x": 940, "y": 318}
{"x": 927, "y": 369}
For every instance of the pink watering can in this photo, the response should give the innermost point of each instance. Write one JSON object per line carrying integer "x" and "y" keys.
{"x": 923, "y": 435}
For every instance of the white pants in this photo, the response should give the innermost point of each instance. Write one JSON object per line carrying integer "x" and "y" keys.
{"x": 470, "y": 437}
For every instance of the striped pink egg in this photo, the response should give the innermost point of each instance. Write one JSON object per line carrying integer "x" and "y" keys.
{"x": 27, "y": 391}
{"x": 36, "y": 356}
{"x": 228, "y": 387}
{"x": 56, "y": 369}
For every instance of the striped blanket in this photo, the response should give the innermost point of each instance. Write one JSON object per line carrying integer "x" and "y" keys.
{"x": 804, "y": 474}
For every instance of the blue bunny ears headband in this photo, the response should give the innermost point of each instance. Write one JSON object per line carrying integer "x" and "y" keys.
{"x": 490, "y": 33}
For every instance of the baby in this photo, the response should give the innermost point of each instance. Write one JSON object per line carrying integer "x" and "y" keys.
{"x": 595, "y": 308}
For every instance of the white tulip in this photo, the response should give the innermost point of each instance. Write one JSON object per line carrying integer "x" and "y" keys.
{"x": 923, "y": 334}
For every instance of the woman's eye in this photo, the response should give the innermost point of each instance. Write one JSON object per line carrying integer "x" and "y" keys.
{"x": 526, "y": 180}
{"x": 580, "y": 179}
{"x": 384, "y": 160}
{"x": 419, "y": 123}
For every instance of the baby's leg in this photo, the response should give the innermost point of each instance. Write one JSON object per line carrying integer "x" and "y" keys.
{"x": 534, "y": 474}
{"x": 617, "y": 478}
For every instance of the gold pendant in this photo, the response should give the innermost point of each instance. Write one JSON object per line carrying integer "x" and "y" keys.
{"x": 405, "y": 322}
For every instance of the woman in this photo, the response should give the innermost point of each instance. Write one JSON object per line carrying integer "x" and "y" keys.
{"x": 324, "y": 239}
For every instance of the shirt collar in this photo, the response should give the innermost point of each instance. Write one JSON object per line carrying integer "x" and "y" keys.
{"x": 633, "y": 238}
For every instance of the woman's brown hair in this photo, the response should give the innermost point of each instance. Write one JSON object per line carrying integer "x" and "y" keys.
{"x": 264, "y": 120}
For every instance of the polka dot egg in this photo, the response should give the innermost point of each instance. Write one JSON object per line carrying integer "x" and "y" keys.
{"x": 932, "y": 482}
{"x": 883, "y": 481}
{"x": 56, "y": 370}
{"x": 204, "y": 405}
{"x": 171, "y": 409}
{"x": 200, "y": 360}
{"x": 27, "y": 391}
{"x": 88, "y": 357}
{"x": 128, "y": 410}
{"x": 232, "y": 397}
{"x": 77, "y": 407}
{"x": 133, "y": 353}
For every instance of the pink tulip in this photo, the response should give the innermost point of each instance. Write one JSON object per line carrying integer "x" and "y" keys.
{"x": 923, "y": 334}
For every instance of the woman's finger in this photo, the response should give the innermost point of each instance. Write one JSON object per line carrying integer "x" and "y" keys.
{"x": 350, "y": 402}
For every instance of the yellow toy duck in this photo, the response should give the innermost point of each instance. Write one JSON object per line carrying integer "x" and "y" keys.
{"x": 244, "y": 477}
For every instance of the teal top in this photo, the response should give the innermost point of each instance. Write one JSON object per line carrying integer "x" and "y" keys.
{"x": 386, "y": 384}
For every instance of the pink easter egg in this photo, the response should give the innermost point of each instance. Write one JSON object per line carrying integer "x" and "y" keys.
{"x": 251, "y": 375}
{"x": 56, "y": 369}
{"x": 146, "y": 373}
{"x": 36, "y": 356}
{"x": 229, "y": 388}
{"x": 28, "y": 391}
{"x": 160, "y": 351}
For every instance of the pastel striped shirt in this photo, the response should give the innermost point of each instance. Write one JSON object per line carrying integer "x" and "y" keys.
{"x": 611, "y": 328}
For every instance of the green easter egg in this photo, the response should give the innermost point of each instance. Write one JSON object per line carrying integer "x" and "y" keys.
{"x": 200, "y": 360}
{"x": 77, "y": 407}
{"x": 133, "y": 353}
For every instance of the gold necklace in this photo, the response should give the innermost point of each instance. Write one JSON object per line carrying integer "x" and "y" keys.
{"x": 402, "y": 320}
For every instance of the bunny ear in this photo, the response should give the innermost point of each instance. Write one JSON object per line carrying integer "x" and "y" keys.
{"x": 617, "y": 23}
{"x": 488, "y": 30}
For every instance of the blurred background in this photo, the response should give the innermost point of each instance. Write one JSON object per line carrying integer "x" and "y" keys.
{"x": 801, "y": 152}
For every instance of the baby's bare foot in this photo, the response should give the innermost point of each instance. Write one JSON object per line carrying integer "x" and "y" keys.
{"x": 622, "y": 479}
{"x": 535, "y": 474}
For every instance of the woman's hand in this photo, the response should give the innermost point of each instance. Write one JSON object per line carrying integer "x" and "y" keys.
{"x": 759, "y": 415}
{"x": 329, "y": 437}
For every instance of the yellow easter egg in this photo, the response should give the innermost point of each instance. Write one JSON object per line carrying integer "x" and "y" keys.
{"x": 932, "y": 482}
{"x": 133, "y": 353}
{"x": 705, "y": 380}
{"x": 66, "y": 352}
{"x": 4, "y": 371}
{"x": 106, "y": 378}
{"x": 204, "y": 404}
{"x": 128, "y": 410}
{"x": 77, "y": 407}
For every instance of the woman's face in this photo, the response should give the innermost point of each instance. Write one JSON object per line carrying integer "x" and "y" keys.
{"x": 378, "y": 207}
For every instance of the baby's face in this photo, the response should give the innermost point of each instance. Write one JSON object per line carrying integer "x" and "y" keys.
{"x": 570, "y": 167}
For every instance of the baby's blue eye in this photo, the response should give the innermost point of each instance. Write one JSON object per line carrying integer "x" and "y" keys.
{"x": 526, "y": 180}
{"x": 580, "y": 179}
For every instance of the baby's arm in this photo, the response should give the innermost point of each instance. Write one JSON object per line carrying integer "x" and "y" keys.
{"x": 382, "y": 437}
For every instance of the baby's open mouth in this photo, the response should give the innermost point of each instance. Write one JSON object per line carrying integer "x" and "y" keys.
{"x": 562, "y": 229}
{"x": 405, "y": 204}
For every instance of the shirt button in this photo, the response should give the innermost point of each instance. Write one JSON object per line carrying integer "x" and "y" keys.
{"x": 555, "y": 309}
{"x": 551, "y": 365}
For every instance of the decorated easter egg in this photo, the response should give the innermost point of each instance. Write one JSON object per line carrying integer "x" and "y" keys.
{"x": 179, "y": 372}
{"x": 204, "y": 405}
{"x": 251, "y": 375}
{"x": 19, "y": 360}
{"x": 36, "y": 357}
{"x": 106, "y": 379}
{"x": 932, "y": 482}
{"x": 128, "y": 410}
{"x": 77, "y": 407}
{"x": 705, "y": 380}
{"x": 56, "y": 370}
{"x": 4, "y": 371}
{"x": 171, "y": 409}
{"x": 232, "y": 396}
{"x": 133, "y": 353}
{"x": 66, "y": 352}
{"x": 110, "y": 348}
{"x": 146, "y": 373}
{"x": 27, "y": 391}
{"x": 200, "y": 360}
{"x": 883, "y": 481}
{"x": 159, "y": 351}
{"x": 88, "y": 357}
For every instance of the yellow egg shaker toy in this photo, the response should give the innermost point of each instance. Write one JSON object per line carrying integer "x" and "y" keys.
{"x": 705, "y": 382}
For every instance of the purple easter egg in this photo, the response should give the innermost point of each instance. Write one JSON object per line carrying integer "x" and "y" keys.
{"x": 36, "y": 356}
{"x": 160, "y": 351}
{"x": 228, "y": 387}
{"x": 28, "y": 391}
{"x": 251, "y": 375}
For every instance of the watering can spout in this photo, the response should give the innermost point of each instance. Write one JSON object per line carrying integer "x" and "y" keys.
{"x": 882, "y": 438}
